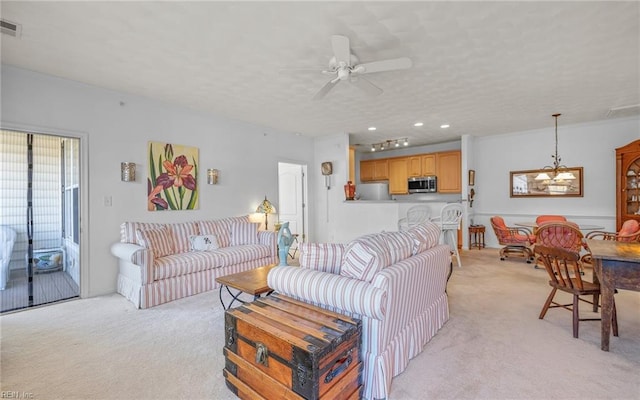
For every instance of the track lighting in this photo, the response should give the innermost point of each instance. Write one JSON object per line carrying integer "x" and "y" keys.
{"x": 389, "y": 144}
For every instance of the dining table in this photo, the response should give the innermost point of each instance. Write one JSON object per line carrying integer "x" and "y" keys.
{"x": 616, "y": 266}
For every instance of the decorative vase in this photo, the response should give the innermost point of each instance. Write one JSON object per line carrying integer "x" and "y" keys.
{"x": 350, "y": 191}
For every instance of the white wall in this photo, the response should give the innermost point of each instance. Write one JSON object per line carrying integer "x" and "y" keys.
{"x": 246, "y": 155}
{"x": 591, "y": 146}
{"x": 337, "y": 220}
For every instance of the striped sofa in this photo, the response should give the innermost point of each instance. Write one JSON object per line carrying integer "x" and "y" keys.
{"x": 393, "y": 281}
{"x": 159, "y": 262}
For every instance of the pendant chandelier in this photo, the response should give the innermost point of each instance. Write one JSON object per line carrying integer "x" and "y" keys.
{"x": 557, "y": 172}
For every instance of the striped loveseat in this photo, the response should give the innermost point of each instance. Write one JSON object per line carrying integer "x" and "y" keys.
{"x": 159, "y": 262}
{"x": 393, "y": 281}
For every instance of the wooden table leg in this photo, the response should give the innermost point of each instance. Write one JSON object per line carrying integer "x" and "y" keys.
{"x": 606, "y": 295}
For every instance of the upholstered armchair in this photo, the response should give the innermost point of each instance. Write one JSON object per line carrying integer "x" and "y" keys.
{"x": 543, "y": 219}
{"x": 629, "y": 232}
{"x": 516, "y": 240}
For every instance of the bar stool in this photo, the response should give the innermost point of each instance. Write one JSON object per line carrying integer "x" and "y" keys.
{"x": 449, "y": 221}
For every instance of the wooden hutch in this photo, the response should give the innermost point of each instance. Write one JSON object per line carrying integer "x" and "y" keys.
{"x": 627, "y": 183}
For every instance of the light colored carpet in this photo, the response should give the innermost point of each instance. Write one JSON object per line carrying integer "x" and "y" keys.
{"x": 493, "y": 347}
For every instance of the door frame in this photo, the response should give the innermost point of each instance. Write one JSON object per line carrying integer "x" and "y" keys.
{"x": 305, "y": 195}
{"x": 83, "y": 137}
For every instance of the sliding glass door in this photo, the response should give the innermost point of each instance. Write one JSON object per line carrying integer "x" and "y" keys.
{"x": 39, "y": 215}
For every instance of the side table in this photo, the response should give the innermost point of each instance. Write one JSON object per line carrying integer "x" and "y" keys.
{"x": 476, "y": 237}
{"x": 253, "y": 281}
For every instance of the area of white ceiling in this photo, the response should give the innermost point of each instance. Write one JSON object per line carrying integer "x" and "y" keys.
{"x": 483, "y": 67}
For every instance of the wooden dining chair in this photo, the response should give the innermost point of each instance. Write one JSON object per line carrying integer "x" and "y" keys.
{"x": 565, "y": 235}
{"x": 563, "y": 268}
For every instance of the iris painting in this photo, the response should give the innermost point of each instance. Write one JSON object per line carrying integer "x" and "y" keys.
{"x": 172, "y": 183}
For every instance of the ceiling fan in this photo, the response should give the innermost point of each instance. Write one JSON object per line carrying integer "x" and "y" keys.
{"x": 344, "y": 65}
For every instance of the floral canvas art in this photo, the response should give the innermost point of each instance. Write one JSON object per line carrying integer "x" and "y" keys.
{"x": 172, "y": 183}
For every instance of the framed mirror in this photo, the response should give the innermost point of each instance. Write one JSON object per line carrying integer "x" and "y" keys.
{"x": 566, "y": 182}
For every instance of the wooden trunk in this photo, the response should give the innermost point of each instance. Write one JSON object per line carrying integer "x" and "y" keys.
{"x": 280, "y": 348}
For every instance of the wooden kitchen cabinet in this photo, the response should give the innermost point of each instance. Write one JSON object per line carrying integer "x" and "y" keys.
{"x": 428, "y": 164}
{"x": 421, "y": 165}
{"x": 398, "y": 170}
{"x": 627, "y": 183}
{"x": 352, "y": 164}
{"x": 448, "y": 170}
{"x": 367, "y": 169}
{"x": 374, "y": 170}
{"x": 414, "y": 166}
{"x": 381, "y": 170}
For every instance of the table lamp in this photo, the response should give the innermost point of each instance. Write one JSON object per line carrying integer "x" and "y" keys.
{"x": 266, "y": 208}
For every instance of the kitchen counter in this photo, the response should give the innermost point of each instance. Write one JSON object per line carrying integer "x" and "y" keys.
{"x": 361, "y": 217}
{"x": 400, "y": 201}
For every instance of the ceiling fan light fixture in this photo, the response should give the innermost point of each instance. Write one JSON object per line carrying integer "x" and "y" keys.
{"x": 345, "y": 65}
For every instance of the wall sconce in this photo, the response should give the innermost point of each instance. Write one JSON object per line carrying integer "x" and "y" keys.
{"x": 212, "y": 176}
{"x": 127, "y": 171}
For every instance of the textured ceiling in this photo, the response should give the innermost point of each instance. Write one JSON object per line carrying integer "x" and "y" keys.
{"x": 483, "y": 67}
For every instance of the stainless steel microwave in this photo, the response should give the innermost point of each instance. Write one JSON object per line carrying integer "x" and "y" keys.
{"x": 423, "y": 184}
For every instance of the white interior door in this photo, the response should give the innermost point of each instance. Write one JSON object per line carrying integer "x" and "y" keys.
{"x": 291, "y": 196}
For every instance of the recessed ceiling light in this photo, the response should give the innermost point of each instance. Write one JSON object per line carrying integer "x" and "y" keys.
{"x": 444, "y": 126}
{"x": 418, "y": 124}
{"x": 372, "y": 128}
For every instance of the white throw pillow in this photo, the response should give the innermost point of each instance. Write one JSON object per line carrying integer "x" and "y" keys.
{"x": 204, "y": 242}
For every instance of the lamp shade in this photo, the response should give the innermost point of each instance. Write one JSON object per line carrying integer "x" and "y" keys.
{"x": 266, "y": 207}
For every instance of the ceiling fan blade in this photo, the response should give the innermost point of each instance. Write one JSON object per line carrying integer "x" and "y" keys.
{"x": 366, "y": 86}
{"x": 384, "y": 65}
{"x": 341, "y": 50}
{"x": 325, "y": 89}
